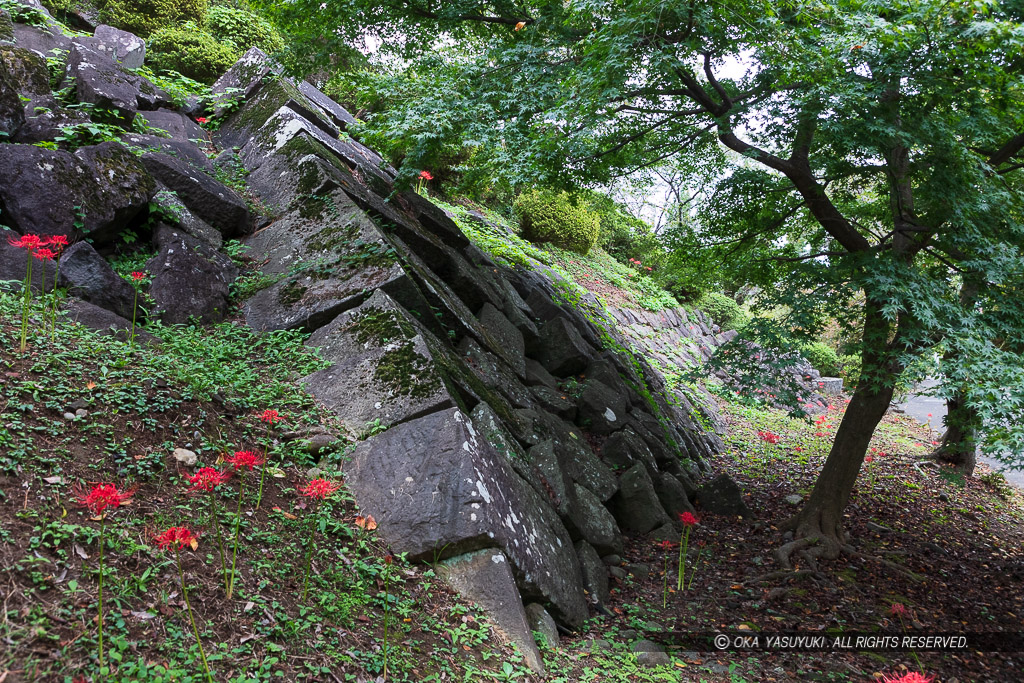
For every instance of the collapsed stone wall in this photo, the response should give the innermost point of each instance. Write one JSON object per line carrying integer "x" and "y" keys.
{"x": 676, "y": 340}
{"x": 512, "y": 432}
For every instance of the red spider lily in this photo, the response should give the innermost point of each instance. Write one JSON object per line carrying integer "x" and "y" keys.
{"x": 175, "y": 538}
{"x": 665, "y": 545}
{"x": 770, "y": 437}
{"x": 270, "y": 416}
{"x": 44, "y": 254}
{"x": 425, "y": 175}
{"x": 897, "y": 609}
{"x": 29, "y": 242}
{"x": 320, "y": 489}
{"x": 138, "y": 275}
{"x": 909, "y": 677}
{"x": 389, "y": 558}
{"x": 59, "y": 241}
{"x": 206, "y": 479}
{"x": 819, "y": 433}
{"x": 202, "y": 119}
{"x": 103, "y": 496}
{"x": 869, "y": 459}
{"x": 687, "y": 518}
{"x": 245, "y": 459}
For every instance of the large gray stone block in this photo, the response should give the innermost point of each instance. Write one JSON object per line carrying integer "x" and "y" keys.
{"x": 437, "y": 490}
{"x": 101, "y": 82}
{"x": 88, "y": 276}
{"x": 189, "y": 279}
{"x": 209, "y": 199}
{"x": 48, "y": 192}
{"x": 121, "y": 46}
{"x": 484, "y": 577}
{"x": 636, "y": 506}
{"x": 329, "y": 257}
{"x": 381, "y": 368}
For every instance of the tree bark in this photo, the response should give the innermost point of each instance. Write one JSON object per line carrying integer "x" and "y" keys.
{"x": 818, "y": 527}
{"x": 960, "y": 442}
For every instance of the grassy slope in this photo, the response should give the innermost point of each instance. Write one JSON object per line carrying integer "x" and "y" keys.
{"x": 203, "y": 389}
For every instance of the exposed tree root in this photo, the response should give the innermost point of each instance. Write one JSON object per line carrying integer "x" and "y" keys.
{"x": 786, "y": 576}
{"x": 917, "y": 578}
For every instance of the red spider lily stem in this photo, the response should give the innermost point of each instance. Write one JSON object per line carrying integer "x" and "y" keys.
{"x": 270, "y": 417}
{"x": 241, "y": 461}
{"x": 208, "y": 479}
{"x": 99, "y": 592}
{"x": 215, "y": 522}
{"x": 309, "y": 551}
{"x": 696, "y": 563}
{"x": 319, "y": 490}
{"x": 688, "y": 521}
{"x": 177, "y": 538}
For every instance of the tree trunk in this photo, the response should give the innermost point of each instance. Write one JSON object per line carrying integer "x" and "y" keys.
{"x": 818, "y": 527}
{"x": 960, "y": 442}
{"x": 819, "y": 524}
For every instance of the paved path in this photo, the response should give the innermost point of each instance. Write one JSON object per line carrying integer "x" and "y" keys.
{"x": 930, "y": 411}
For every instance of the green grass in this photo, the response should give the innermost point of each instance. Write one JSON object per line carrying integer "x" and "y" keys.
{"x": 202, "y": 389}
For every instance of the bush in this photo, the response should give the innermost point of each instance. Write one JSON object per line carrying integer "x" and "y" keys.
{"x": 822, "y": 358}
{"x": 849, "y": 370}
{"x": 559, "y": 218}
{"x": 243, "y": 29}
{"x": 722, "y": 309}
{"x": 191, "y": 52}
{"x": 146, "y": 17}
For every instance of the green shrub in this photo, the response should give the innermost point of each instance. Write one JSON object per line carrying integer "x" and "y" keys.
{"x": 243, "y": 29}
{"x": 191, "y": 52}
{"x": 146, "y": 17}
{"x": 722, "y": 309}
{"x": 559, "y": 218}
{"x": 24, "y": 14}
{"x": 822, "y": 358}
{"x": 849, "y": 370}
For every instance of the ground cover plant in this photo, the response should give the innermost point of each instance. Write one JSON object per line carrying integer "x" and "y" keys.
{"x": 137, "y": 405}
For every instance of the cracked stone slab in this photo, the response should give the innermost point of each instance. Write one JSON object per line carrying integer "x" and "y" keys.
{"x": 484, "y": 577}
{"x": 381, "y": 368}
{"x": 328, "y": 256}
{"x": 437, "y": 489}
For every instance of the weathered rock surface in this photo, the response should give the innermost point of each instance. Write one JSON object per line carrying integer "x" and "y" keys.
{"x": 636, "y": 506}
{"x": 436, "y": 487}
{"x": 381, "y": 368}
{"x": 543, "y": 625}
{"x": 46, "y": 192}
{"x": 485, "y": 578}
{"x": 595, "y": 572}
{"x": 210, "y": 200}
{"x": 104, "y": 322}
{"x": 722, "y": 496}
{"x": 595, "y": 523}
{"x": 563, "y": 351}
{"x": 602, "y": 410}
{"x": 101, "y": 82}
{"x": 88, "y": 276}
{"x": 175, "y": 124}
{"x": 190, "y": 280}
{"x": 121, "y": 46}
